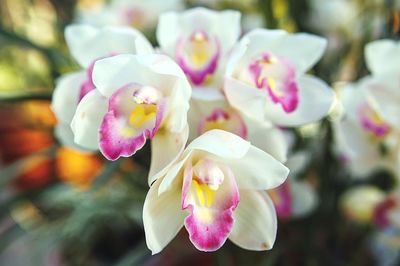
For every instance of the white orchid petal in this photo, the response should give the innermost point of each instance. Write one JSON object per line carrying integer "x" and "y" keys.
{"x": 246, "y": 98}
{"x": 304, "y": 199}
{"x": 383, "y": 56}
{"x": 88, "y": 43}
{"x": 255, "y": 223}
{"x": 166, "y": 147}
{"x": 221, "y": 143}
{"x": 309, "y": 109}
{"x": 88, "y": 118}
{"x": 162, "y": 216}
{"x": 65, "y": 136}
{"x": 270, "y": 139}
{"x": 66, "y": 95}
{"x": 257, "y": 170}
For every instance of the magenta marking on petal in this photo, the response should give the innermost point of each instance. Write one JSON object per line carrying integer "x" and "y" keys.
{"x": 88, "y": 84}
{"x": 112, "y": 145}
{"x": 197, "y": 76}
{"x": 371, "y": 121}
{"x": 278, "y": 78}
{"x": 283, "y": 200}
{"x": 381, "y": 212}
{"x": 210, "y": 226}
{"x": 120, "y": 138}
{"x": 228, "y": 120}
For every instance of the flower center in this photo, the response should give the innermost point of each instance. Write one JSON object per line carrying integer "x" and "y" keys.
{"x": 207, "y": 177}
{"x": 198, "y": 56}
{"x": 277, "y": 76}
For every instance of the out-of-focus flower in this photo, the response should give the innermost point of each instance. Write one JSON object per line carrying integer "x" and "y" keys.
{"x": 360, "y": 202}
{"x": 295, "y": 198}
{"x": 140, "y": 14}
{"x": 136, "y": 97}
{"x": 25, "y": 130}
{"x": 333, "y": 15}
{"x": 211, "y": 111}
{"x": 77, "y": 168}
{"x": 265, "y": 78}
{"x": 216, "y": 189}
{"x": 87, "y": 45}
{"x": 199, "y": 39}
{"x": 368, "y": 135}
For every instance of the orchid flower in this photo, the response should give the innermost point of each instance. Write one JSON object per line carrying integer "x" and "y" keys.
{"x": 371, "y": 113}
{"x": 216, "y": 190}
{"x": 210, "y": 110}
{"x": 137, "y": 97}
{"x": 87, "y": 45}
{"x": 199, "y": 40}
{"x": 265, "y": 78}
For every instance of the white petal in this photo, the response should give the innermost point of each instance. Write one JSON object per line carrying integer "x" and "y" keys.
{"x": 315, "y": 101}
{"x": 88, "y": 118}
{"x": 304, "y": 199}
{"x": 155, "y": 70}
{"x": 302, "y": 49}
{"x": 383, "y": 56}
{"x": 66, "y": 95}
{"x": 221, "y": 143}
{"x": 64, "y": 134}
{"x": 297, "y": 162}
{"x": 257, "y": 170}
{"x": 385, "y": 96}
{"x": 162, "y": 216}
{"x": 88, "y": 43}
{"x": 354, "y": 143}
{"x": 166, "y": 147}
{"x": 245, "y": 98}
{"x": 225, "y": 25}
{"x": 255, "y": 223}
{"x": 269, "y": 139}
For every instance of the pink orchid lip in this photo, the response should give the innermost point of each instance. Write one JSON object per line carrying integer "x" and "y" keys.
{"x": 197, "y": 75}
{"x": 381, "y": 212}
{"x": 280, "y": 83}
{"x": 88, "y": 84}
{"x": 228, "y": 120}
{"x": 283, "y": 200}
{"x": 372, "y": 122}
{"x": 134, "y": 115}
{"x": 210, "y": 205}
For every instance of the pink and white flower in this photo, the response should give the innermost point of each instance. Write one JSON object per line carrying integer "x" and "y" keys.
{"x": 199, "y": 40}
{"x": 210, "y": 110}
{"x": 137, "y": 97}
{"x": 87, "y": 45}
{"x": 265, "y": 78}
{"x": 216, "y": 190}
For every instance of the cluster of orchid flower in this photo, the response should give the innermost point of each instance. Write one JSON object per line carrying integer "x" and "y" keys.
{"x": 368, "y": 133}
{"x": 214, "y": 107}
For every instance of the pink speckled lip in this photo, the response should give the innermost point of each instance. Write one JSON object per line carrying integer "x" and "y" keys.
{"x": 209, "y": 225}
{"x": 228, "y": 120}
{"x": 197, "y": 75}
{"x": 284, "y": 90}
{"x": 113, "y": 142}
{"x": 371, "y": 122}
